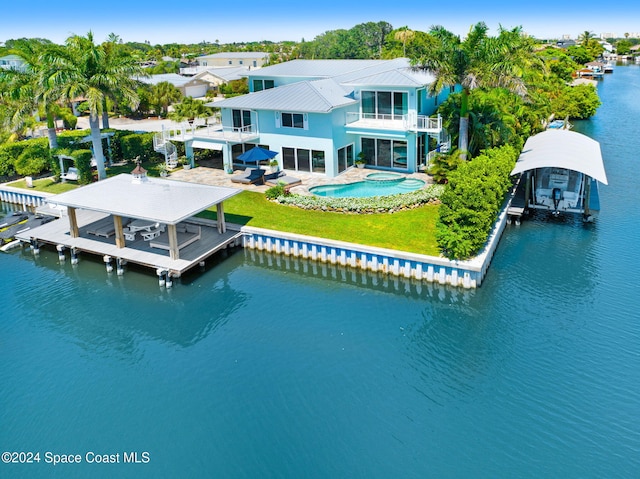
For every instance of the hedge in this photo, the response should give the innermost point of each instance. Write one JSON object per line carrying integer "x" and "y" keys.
{"x": 472, "y": 200}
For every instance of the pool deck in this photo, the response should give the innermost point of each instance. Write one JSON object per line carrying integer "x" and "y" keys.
{"x": 215, "y": 177}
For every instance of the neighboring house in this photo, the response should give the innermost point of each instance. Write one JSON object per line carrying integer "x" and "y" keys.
{"x": 188, "y": 86}
{"x": 216, "y": 76}
{"x": 13, "y": 62}
{"x": 320, "y": 114}
{"x": 228, "y": 59}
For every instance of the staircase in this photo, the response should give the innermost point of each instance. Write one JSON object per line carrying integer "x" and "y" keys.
{"x": 162, "y": 145}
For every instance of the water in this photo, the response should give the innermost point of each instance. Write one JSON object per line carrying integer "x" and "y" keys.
{"x": 267, "y": 367}
{"x": 380, "y": 184}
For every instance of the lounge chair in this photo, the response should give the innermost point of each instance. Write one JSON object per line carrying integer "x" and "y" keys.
{"x": 249, "y": 176}
{"x": 71, "y": 174}
{"x": 281, "y": 178}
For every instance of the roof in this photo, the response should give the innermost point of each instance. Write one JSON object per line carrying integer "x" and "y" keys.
{"x": 316, "y": 69}
{"x": 397, "y": 77}
{"x": 159, "y": 200}
{"x": 226, "y": 74}
{"x": 173, "y": 78}
{"x": 562, "y": 149}
{"x": 319, "y": 96}
{"x": 236, "y": 55}
{"x": 12, "y": 58}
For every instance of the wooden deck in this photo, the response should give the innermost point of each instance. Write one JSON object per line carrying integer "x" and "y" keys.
{"x": 138, "y": 251}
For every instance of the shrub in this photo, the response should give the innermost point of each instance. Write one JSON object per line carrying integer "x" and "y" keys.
{"x": 138, "y": 144}
{"x": 33, "y": 160}
{"x": 275, "y": 192}
{"x": 376, "y": 204}
{"x": 471, "y": 201}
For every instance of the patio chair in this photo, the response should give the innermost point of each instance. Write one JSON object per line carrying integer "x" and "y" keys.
{"x": 250, "y": 176}
{"x": 70, "y": 175}
{"x": 281, "y": 178}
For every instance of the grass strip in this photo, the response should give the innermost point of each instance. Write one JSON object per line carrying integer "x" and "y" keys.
{"x": 412, "y": 230}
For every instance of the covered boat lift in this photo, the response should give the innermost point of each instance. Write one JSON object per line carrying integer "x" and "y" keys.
{"x": 560, "y": 173}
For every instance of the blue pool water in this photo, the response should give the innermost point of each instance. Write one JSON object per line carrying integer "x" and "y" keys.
{"x": 265, "y": 366}
{"x": 377, "y": 184}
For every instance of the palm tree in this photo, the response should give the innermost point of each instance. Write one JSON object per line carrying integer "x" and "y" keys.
{"x": 164, "y": 94}
{"x": 585, "y": 37}
{"x": 23, "y": 92}
{"x": 478, "y": 61}
{"x": 84, "y": 69}
{"x": 189, "y": 109}
{"x": 404, "y": 35}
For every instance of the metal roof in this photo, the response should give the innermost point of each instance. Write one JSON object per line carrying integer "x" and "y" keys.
{"x": 397, "y": 77}
{"x": 224, "y": 73}
{"x": 157, "y": 199}
{"x": 315, "y": 69}
{"x": 562, "y": 149}
{"x": 235, "y": 55}
{"x": 319, "y": 96}
{"x": 173, "y": 78}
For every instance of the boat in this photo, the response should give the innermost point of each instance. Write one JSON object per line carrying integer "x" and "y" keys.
{"x": 559, "y": 172}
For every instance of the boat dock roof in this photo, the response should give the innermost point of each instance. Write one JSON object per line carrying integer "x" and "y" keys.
{"x": 562, "y": 149}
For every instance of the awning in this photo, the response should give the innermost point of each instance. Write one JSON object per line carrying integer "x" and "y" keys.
{"x": 562, "y": 149}
{"x": 205, "y": 145}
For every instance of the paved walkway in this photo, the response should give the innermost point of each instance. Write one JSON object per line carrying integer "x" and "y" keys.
{"x": 215, "y": 177}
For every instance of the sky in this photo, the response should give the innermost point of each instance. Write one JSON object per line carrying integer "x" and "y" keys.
{"x": 194, "y": 21}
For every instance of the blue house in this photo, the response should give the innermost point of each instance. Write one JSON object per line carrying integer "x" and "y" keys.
{"x": 319, "y": 115}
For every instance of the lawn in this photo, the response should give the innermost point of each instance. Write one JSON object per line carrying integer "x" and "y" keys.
{"x": 411, "y": 230}
{"x": 46, "y": 185}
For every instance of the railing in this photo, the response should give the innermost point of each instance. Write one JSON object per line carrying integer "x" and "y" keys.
{"x": 409, "y": 121}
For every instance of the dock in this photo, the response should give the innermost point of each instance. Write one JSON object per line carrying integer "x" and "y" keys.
{"x": 138, "y": 251}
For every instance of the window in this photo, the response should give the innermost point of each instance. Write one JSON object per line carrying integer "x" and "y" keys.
{"x": 300, "y": 159}
{"x": 241, "y": 62}
{"x": 385, "y": 153}
{"x": 230, "y": 62}
{"x": 345, "y": 158}
{"x": 241, "y": 119}
{"x": 384, "y": 104}
{"x": 259, "y": 85}
{"x": 293, "y": 120}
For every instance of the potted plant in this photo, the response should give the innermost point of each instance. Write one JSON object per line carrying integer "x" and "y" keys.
{"x": 360, "y": 162}
{"x": 274, "y": 165}
{"x": 184, "y": 161}
{"x": 163, "y": 170}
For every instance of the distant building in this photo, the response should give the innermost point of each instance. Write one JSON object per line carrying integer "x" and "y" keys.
{"x": 13, "y": 62}
{"x": 188, "y": 86}
{"x": 227, "y": 59}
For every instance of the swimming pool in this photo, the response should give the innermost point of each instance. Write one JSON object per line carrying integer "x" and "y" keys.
{"x": 375, "y": 184}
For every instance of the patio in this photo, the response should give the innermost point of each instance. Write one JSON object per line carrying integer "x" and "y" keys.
{"x": 215, "y": 177}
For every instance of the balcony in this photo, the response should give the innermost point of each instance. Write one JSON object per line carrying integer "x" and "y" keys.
{"x": 211, "y": 131}
{"x": 407, "y": 122}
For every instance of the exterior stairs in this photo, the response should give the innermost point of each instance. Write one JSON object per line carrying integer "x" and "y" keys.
{"x": 162, "y": 145}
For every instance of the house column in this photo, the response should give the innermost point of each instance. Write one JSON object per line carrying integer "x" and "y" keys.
{"x": 117, "y": 223}
{"x": 188, "y": 151}
{"x": 227, "y": 158}
{"x": 73, "y": 222}
{"x": 222, "y": 225}
{"x": 173, "y": 242}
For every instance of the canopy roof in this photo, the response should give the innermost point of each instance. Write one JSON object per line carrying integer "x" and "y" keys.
{"x": 156, "y": 199}
{"x": 562, "y": 149}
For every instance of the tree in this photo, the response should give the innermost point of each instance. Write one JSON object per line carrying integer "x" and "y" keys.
{"x": 84, "y": 69}
{"x": 162, "y": 95}
{"x": 404, "y": 35}
{"x": 478, "y": 61}
{"x": 189, "y": 109}
{"x": 23, "y": 90}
